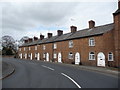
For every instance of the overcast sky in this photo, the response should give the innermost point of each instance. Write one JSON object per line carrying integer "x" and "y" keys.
{"x": 32, "y": 18}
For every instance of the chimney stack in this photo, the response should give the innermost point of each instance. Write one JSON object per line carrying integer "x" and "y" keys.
{"x": 35, "y": 38}
{"x": 30, "y": 40}
{"x": 25, "y": 41}
{"x": 73, "y": 29}
{"x": 91, "y": 24}
{"x": 60, "y": 32}
{"x": 49, "y": 35}
{"x": 41, "y": 37}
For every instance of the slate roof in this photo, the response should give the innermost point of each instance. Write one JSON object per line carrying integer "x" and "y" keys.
{"x": 79, "y": 34}
{"x": 118, "y": 11}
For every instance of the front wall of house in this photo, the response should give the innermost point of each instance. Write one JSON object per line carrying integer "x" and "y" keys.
{"x": 103, "y": 43}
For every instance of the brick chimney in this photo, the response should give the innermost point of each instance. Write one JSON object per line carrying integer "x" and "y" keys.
{"x": 30, "y": 40}
{"x": 60, "y": 32}
{"x": 35, "y": 38}
{"x": 41, "y": 37}
{"x": 49, "y": 35}
{"x": 91, "y": 24}
{"x": 73, "y": 29}
{"x": 25, "y": 41}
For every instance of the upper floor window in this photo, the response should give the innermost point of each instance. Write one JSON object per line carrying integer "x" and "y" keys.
{"x": 55, "y": 55}
{"x": 70, "y": 44}
{"x": 70, "y": 55}
{"x": 24, "y": 48}
{"x": 44, "y": 47}
{"x": 19, "y": 49}
{"x": 91, "y": 42}
{"x": 29, "y": 48}
{"x": 91, "y": 56}
{"x": 54, "y": 45}
{"x": 110, "y": 56}
{"x": 35, "y": 47}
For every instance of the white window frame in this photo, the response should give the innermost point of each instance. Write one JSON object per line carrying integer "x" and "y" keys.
{"x": 70, "y": 44}
{"x": 44, "y": 47}
{"x": 70, "y": 55}
{"x": 35, "y": 47}
{"x": 44, "y": 55}
{"x": 24, "y": 48}
{"x": 91, "y": 42}
{"x": 19, "y": 49}
{"x": 55, "y": 55}
{"x": 35, "y": 55}
{"x": 29, "y": 48}
{"x": 54, "y": 46}
{"x": 110, "y": 54}
{"x": 91, "y": 56}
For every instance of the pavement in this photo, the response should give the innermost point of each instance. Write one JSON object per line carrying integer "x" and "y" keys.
{"x": 107, "y": 70}
{"x": 7, "y": 69}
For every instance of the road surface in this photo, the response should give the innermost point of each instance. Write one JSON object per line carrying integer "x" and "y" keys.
{"x": 40, "y": 74}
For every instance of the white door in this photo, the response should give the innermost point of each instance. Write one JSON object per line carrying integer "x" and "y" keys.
{"x": 38, "y": 56}
{"x": 31, "y": 56}
{"x": 25, "y": 56}
{"x": 101, "y": 59}
{"x": 59, "y": 57}
{"x": 21, "y": 55}
{"x": 77, "y": 58}
{"x": 47, "y": 57}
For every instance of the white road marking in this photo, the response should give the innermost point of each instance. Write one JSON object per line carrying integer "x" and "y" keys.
{"x": 71, "y": 80}
{"x": 47, "y": 67}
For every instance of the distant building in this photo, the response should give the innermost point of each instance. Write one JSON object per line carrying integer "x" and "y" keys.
{"x": 96, "y": 45}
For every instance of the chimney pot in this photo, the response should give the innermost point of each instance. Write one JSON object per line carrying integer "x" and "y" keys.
{"x": 35, "y": 38}
{"x": 49, "y": 35}
{"x": 30, "y": 40}
{"x": 41, "y": 37}
{"x": 73, "y": 29}
{"x": 25, "y": 41}
{"x": 91, "y": 24}
{"x": 60, "y": 32}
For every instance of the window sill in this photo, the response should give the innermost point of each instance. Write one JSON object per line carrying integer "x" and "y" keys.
{"x": 110, "y": 60}
{"x": 91, "y": 59}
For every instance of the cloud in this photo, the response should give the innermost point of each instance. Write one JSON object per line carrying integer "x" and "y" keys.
{"x": 33, "y": 18}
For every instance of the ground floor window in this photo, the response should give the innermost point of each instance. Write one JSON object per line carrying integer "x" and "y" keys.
{"x": 110, "y": 56}
{"x": 55, "y": 56}
{"x": 35, "y": 55}
{"x": 70, "y": 55}
{"x": 44, "y": 55}
{"x": 91, "y": 56}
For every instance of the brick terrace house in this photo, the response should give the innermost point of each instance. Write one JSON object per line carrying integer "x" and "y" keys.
{"x": 95, "y": 45}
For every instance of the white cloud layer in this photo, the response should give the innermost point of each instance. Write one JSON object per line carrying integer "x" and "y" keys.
{"x": 32, "y": 18}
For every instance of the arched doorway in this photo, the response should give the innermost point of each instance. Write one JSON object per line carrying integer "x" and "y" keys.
{"x": 21, "y": 55}
{"x": 47, "y": 57}
{"x": 26, "y": 56}
{"x": 101, "y": 59}
{"x": 77, "y": 58}
{"x": 38, "y": 56}
{"x": 31, "y": 56}
{"x": 60, "y": 57}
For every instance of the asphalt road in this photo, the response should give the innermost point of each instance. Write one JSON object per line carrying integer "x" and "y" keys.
{"x": 40, "y": 74}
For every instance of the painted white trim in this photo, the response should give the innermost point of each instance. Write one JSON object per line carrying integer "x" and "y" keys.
{"x": 77, "y": 56}
{"x": 112, "y": 56}
{"x": 71, "y": 80}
